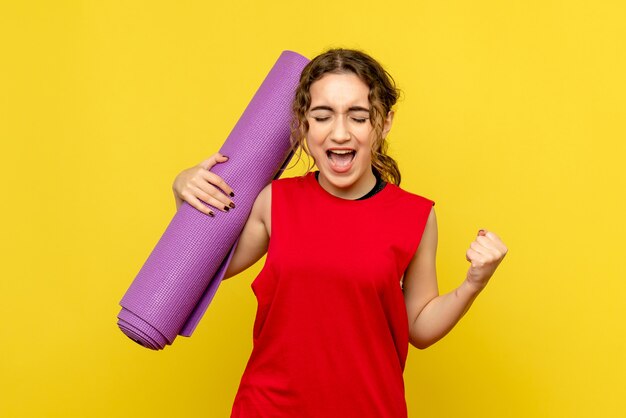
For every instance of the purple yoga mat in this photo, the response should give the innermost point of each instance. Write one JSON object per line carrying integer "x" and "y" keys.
{"x": 180, "y": 277}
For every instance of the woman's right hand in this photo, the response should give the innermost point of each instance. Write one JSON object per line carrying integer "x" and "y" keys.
{"x": 198, "y": 184}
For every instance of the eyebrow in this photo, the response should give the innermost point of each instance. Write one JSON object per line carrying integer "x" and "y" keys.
{"x": 350, "y": 109}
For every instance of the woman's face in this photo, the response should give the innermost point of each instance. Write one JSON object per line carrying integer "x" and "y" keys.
{"x": 341, "y": 135}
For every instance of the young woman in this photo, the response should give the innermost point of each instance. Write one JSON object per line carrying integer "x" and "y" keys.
{"x": 349, "y": 279}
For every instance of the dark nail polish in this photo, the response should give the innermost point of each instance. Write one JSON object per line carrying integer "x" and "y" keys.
{"x": 211, "y": 214}
{"x": 226, "y": 208}
{"x": 232, "y": 205}
{"x": 232, "y": 194}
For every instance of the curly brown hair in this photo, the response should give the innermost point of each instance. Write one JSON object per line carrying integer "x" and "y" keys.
{"x": 382, "y": 96}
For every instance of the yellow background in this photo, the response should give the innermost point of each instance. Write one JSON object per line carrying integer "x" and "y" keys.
{"x": 513, "y": 119}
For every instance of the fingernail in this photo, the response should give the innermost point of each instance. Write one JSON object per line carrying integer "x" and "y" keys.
{"x": 232, "y": 205}
{"x": 226, "y": 208}
{"x": 211, "y": 214}
{"x": 481, "y": 232}
{"x": 232, "y": 194}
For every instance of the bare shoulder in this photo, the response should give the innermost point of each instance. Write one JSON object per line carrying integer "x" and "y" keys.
{"x": 262, "y": 209}
{"x": 431, "y": 223}
{"x": 254, "y": 238}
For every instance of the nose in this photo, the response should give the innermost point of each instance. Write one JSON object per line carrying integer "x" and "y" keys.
{"x": 340, "y": 132}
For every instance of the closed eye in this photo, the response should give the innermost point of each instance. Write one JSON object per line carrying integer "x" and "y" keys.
{"x": 323, "y": 119}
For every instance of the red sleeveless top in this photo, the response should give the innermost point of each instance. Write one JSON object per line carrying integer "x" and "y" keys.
{"x": 331, "y": 330}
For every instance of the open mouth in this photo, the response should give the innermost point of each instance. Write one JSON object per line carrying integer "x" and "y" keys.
{"x": 341, "y": 158}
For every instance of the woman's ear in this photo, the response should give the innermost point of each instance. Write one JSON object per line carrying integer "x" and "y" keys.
{"x": 388, "y": 122}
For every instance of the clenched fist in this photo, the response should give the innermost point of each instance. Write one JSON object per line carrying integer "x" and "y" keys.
{"x": 485, "y": 253}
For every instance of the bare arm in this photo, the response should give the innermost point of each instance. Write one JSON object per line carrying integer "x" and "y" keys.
{"x": 432, "y": 316}
{"x": 254, "y": 238}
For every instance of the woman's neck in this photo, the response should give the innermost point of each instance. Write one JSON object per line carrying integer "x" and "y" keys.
{"x": 353, "y": 192}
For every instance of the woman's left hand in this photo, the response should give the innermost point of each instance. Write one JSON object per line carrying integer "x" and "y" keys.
{"x": 485, "y": 253}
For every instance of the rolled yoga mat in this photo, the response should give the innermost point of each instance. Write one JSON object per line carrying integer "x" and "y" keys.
{"x": 176, "y": 284}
